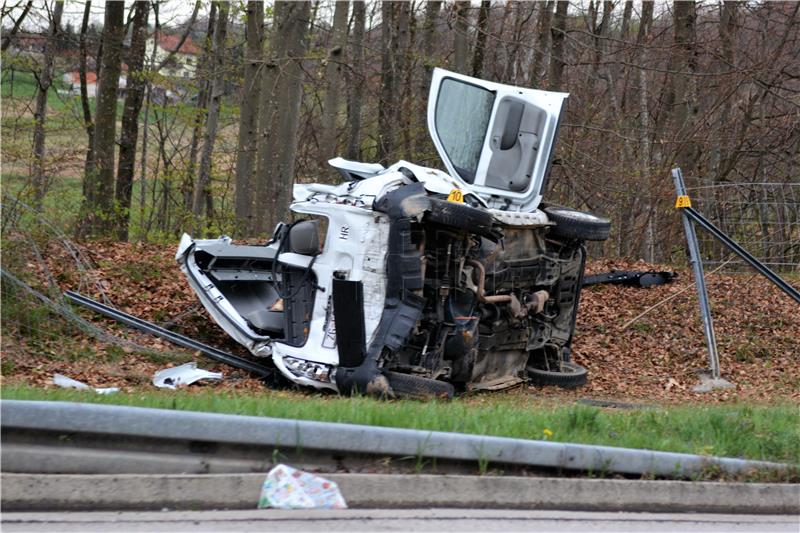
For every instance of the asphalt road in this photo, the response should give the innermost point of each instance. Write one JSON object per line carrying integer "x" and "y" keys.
{"x": 438, "y": 520}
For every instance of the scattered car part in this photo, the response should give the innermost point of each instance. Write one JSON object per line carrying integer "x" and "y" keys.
{"x": 632, "y": 278}
{"x": 290, "y": 488}
{"x": 428, "y": 282}
{"x": 220, "y": 356}
{"x": 178, "y": 376}
{"x": 567, "y": 375}
{"x": 69, "y": 383}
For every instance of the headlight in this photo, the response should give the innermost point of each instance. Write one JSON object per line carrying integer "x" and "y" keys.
{"x": 308, "y": 369}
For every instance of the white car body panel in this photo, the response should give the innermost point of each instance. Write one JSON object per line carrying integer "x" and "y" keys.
{"x": 356, "y": 242}
{"x": 550, "y": 103}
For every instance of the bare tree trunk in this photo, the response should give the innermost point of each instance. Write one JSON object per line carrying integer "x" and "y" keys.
{"x": 267, "y": 112}
{"x": 355, "y": 95}
{"x": 627, "y": 12}
{"x": 645, "y": 23}
{"x": 543, "y": 41}
{"x": 129, "y": 134}
{"x": 599, "y": 37}
{"x": 386, "y": 125}
{"x": 400, "y": 52}
{"x": 143, "y": 225}
{"x": 499, "y": 51}
{"x": 432, "y": 10}
{"x": 480, "y": 39}
{"x": 203, "y": 197}
{"x": 727, "y": 35}
{"x": 88, "y": 123}
{"x": 460, "y": 44}
{"x": 203, "y": 75}
{"x": 510, "y": 70}
{"x": 558, "y": 33}
{"x": 247, "y": 148}
{"x": 17, "y": 23}
{"x": 685, "y": 98}
{"x": 335, "y": 78}
{"x": 44, "y": 80}
{"x": 98, "y": 209}
{"x": 282, "y": 105}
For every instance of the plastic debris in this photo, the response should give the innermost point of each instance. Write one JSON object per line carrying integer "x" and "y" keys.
{"x": 172, "y": 378}
{"x": 68, "y": 383}
{"x": 290, "y": 488}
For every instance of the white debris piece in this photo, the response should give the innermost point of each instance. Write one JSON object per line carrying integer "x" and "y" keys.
{"x": 289, "y": 488}
{"x": 172, "y": 378}
{"x": 68, "y": 383}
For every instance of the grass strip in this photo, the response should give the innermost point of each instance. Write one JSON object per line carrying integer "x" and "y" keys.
{"x": 763, "y": 432}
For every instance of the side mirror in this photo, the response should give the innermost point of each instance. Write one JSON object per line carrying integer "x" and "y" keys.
{"x": 304, "y": 237}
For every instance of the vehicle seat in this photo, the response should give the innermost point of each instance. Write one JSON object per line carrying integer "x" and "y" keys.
{"x": 266, "y": 320}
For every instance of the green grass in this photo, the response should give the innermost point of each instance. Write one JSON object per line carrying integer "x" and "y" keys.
{"x": 765, "y": 432}
{"x": 61, "y": 204}
{"x": 24, "y": 88}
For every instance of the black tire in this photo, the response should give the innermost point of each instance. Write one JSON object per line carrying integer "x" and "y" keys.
{"x": 461, "y": 216}
{"x": 572, "y": 375}
{"x": 410, "y": 386}
{"x": 574, "y": 224}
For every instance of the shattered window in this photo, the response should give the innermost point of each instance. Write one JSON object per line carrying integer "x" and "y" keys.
{"x": 462, "y": 118}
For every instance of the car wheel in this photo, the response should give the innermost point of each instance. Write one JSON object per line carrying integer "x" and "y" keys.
{"x": 461, "y": 216}
{"x": 573, "y": 224}
{"x": 410, "y": 386}
{"x": 571, "y": 375}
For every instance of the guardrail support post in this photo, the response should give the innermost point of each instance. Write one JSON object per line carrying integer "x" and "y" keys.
{"x": 714, "y": 380}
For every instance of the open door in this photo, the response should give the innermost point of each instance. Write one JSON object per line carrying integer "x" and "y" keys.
{"x": 496, "y": 139}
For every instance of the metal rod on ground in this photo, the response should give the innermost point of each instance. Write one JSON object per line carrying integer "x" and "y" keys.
{"x": 697, "y": 268}
{"x": 176, "y": 338}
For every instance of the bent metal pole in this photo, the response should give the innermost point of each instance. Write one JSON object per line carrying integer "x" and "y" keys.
{"x": 697, "y": 267}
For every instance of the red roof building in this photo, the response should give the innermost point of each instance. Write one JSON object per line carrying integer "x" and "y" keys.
{"x": 168, "y": 43}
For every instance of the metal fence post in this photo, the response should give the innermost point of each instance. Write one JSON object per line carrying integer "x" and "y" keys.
{"x": 714, "y": 380}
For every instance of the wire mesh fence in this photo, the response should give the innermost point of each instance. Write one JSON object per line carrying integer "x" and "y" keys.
{"x": 35, "y": 316}
{"x": 764, "y": 218}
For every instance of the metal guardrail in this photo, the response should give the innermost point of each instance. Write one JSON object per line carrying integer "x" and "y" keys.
{"x": 34, "y": 436}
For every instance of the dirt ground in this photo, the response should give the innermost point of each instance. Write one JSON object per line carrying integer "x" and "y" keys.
{"x": 653, "y": 359}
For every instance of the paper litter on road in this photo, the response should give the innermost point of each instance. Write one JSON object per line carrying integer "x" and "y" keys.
{"x": 68, "y": 383}
{"x": 172, "y": 378}
{"x": 289, "y": 488}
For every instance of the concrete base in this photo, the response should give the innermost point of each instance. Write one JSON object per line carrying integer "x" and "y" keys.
{"x": 709, "y": 383}
{"x": 37, "y": 492}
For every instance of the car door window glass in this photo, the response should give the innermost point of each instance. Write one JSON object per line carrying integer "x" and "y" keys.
{"x": 462, "y": 117}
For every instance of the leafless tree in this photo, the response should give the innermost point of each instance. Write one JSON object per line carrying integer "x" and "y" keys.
{"x": 355, "y": 95}
{"x": 334, "y": 76}
{"x": 7, "y": 38}
{"x": 44, "y": 79}
{"x": 129, "y": 134}
{"x": 98, "y": 206}
{"x": 281, "y": 105}
{"x": 248, "y": 122}
{"x": 203, "y": 197}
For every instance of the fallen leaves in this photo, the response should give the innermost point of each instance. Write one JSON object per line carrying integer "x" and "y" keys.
{"x": 654, "y": 359}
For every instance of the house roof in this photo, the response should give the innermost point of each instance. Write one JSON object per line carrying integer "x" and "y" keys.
{"x": 170, "y": 42}
{"x": 75, "y": 77}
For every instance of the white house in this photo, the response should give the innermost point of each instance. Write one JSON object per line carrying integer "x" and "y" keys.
{"x": 183, "y": 62}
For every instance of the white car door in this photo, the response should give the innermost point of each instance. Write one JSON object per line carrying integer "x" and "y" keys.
{"x": 496, "y": 140}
